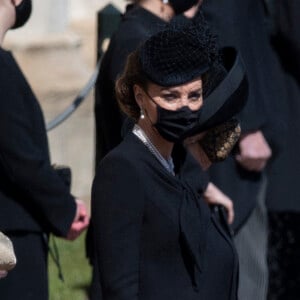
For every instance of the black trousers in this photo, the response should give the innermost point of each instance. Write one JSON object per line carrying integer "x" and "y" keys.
{"x": 284, "y": 256}
{"x": 29, "y": 279}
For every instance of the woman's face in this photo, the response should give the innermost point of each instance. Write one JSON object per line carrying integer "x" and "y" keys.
{"x": 170, "y": 98}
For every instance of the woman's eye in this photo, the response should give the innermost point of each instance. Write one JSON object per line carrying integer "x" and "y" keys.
{"x": 169, "y": 97}
{"x": 195, "y": 97}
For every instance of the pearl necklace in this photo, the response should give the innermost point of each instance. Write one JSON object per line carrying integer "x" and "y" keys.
{"x": 167, "y": 163}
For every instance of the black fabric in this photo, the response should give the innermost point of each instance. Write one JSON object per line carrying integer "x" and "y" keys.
{"x": 174, "y": 124}
{"x": 32, "y": 195}
{"x": 228, "y": 96}
{"x": 176, "y": 56}
{"x": 29, "y": 279}
{"x": 283, "y": 256}
{"x": 283, "y": 192}
{"x": 240, "y": 24}
{"x": 148, "y": 230}
{"x": 137, "y": 25}
{"x": 23, "y": 12}
{"x": 287, "y": 35}
{"x": 181, "y": 6}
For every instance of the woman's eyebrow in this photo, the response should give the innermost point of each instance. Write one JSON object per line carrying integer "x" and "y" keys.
{"x": 167, "y": 89}
{"x": 196, "y": 90}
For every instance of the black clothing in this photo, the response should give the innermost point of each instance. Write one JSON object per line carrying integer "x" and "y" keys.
{"x": 283, "y": 256}
{"x": 28, "y": 280}
{"x": 241, "y": 24}
{"x": 174, "y": 57}
{"x": 33, "y": 198}
{"x": 283, "y": 198}
{"x": 30, "y": 190}
{"x": 155, "y": 237}
{"x": 285, "y": 170}
{"x": 180, "y": 6}
{"x": 137, "y": 25}
{"x": 287, "y": 39}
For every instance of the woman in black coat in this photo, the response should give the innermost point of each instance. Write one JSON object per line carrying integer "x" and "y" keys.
{"x": 155, "y": 237}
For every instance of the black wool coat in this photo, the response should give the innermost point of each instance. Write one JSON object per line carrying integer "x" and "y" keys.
{"x": 33, "y": 197}
{"x": 136, "y": 26}
{"x": 283, "y": 188}
{"x": 287, "y": 31}
{"x": 155, "y": 238}
{"x": 241, "y": 24}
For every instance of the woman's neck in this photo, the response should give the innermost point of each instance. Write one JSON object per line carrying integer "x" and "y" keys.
{"x": 162, "y": 145}
{"x": 163, "y": 11}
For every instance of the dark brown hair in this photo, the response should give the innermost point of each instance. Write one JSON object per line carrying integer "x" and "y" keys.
{"x": 133, "y": 74}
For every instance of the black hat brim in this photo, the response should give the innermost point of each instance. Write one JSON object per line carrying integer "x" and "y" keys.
{"x": 228, "y": 98}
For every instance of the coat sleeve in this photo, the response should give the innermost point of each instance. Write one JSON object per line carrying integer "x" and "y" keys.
{"x": 27, "y": 167}
{"x": 117, "y": 209}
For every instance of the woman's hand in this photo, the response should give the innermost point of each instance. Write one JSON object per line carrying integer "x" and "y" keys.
{"x": 214, "y": 196}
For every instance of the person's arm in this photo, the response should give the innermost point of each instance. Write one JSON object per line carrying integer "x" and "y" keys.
{"x": 27, "y": 166}
{"x": 117, "y": 211}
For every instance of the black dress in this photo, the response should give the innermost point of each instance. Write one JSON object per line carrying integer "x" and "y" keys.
{"x": 137, "y": 25}
{"x": 155, "y": 238}
{"x": 33, "y": 198}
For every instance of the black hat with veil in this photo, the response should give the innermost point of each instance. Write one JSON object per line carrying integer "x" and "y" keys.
{"x": 185, "y": 51}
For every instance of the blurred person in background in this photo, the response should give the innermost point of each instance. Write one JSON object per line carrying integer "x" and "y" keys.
{"x": 243, "y": 176}
{"x": 283, "y": 189}
{"x": 34, "y": 199}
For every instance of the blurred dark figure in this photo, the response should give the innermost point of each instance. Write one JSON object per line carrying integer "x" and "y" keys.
{"x": 34, "y": 200}
{"x": 243, "y": 176}
{"x": 284, "y": 194}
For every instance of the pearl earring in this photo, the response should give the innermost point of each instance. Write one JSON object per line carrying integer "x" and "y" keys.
{"x": 142, "y": 116}
{"x": 165, "y": 1}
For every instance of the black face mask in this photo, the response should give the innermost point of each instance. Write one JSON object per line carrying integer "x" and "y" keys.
{"x": 173, "y": 125}
{"x": 180, "y": 6}
{"x": 23, "y": 12}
